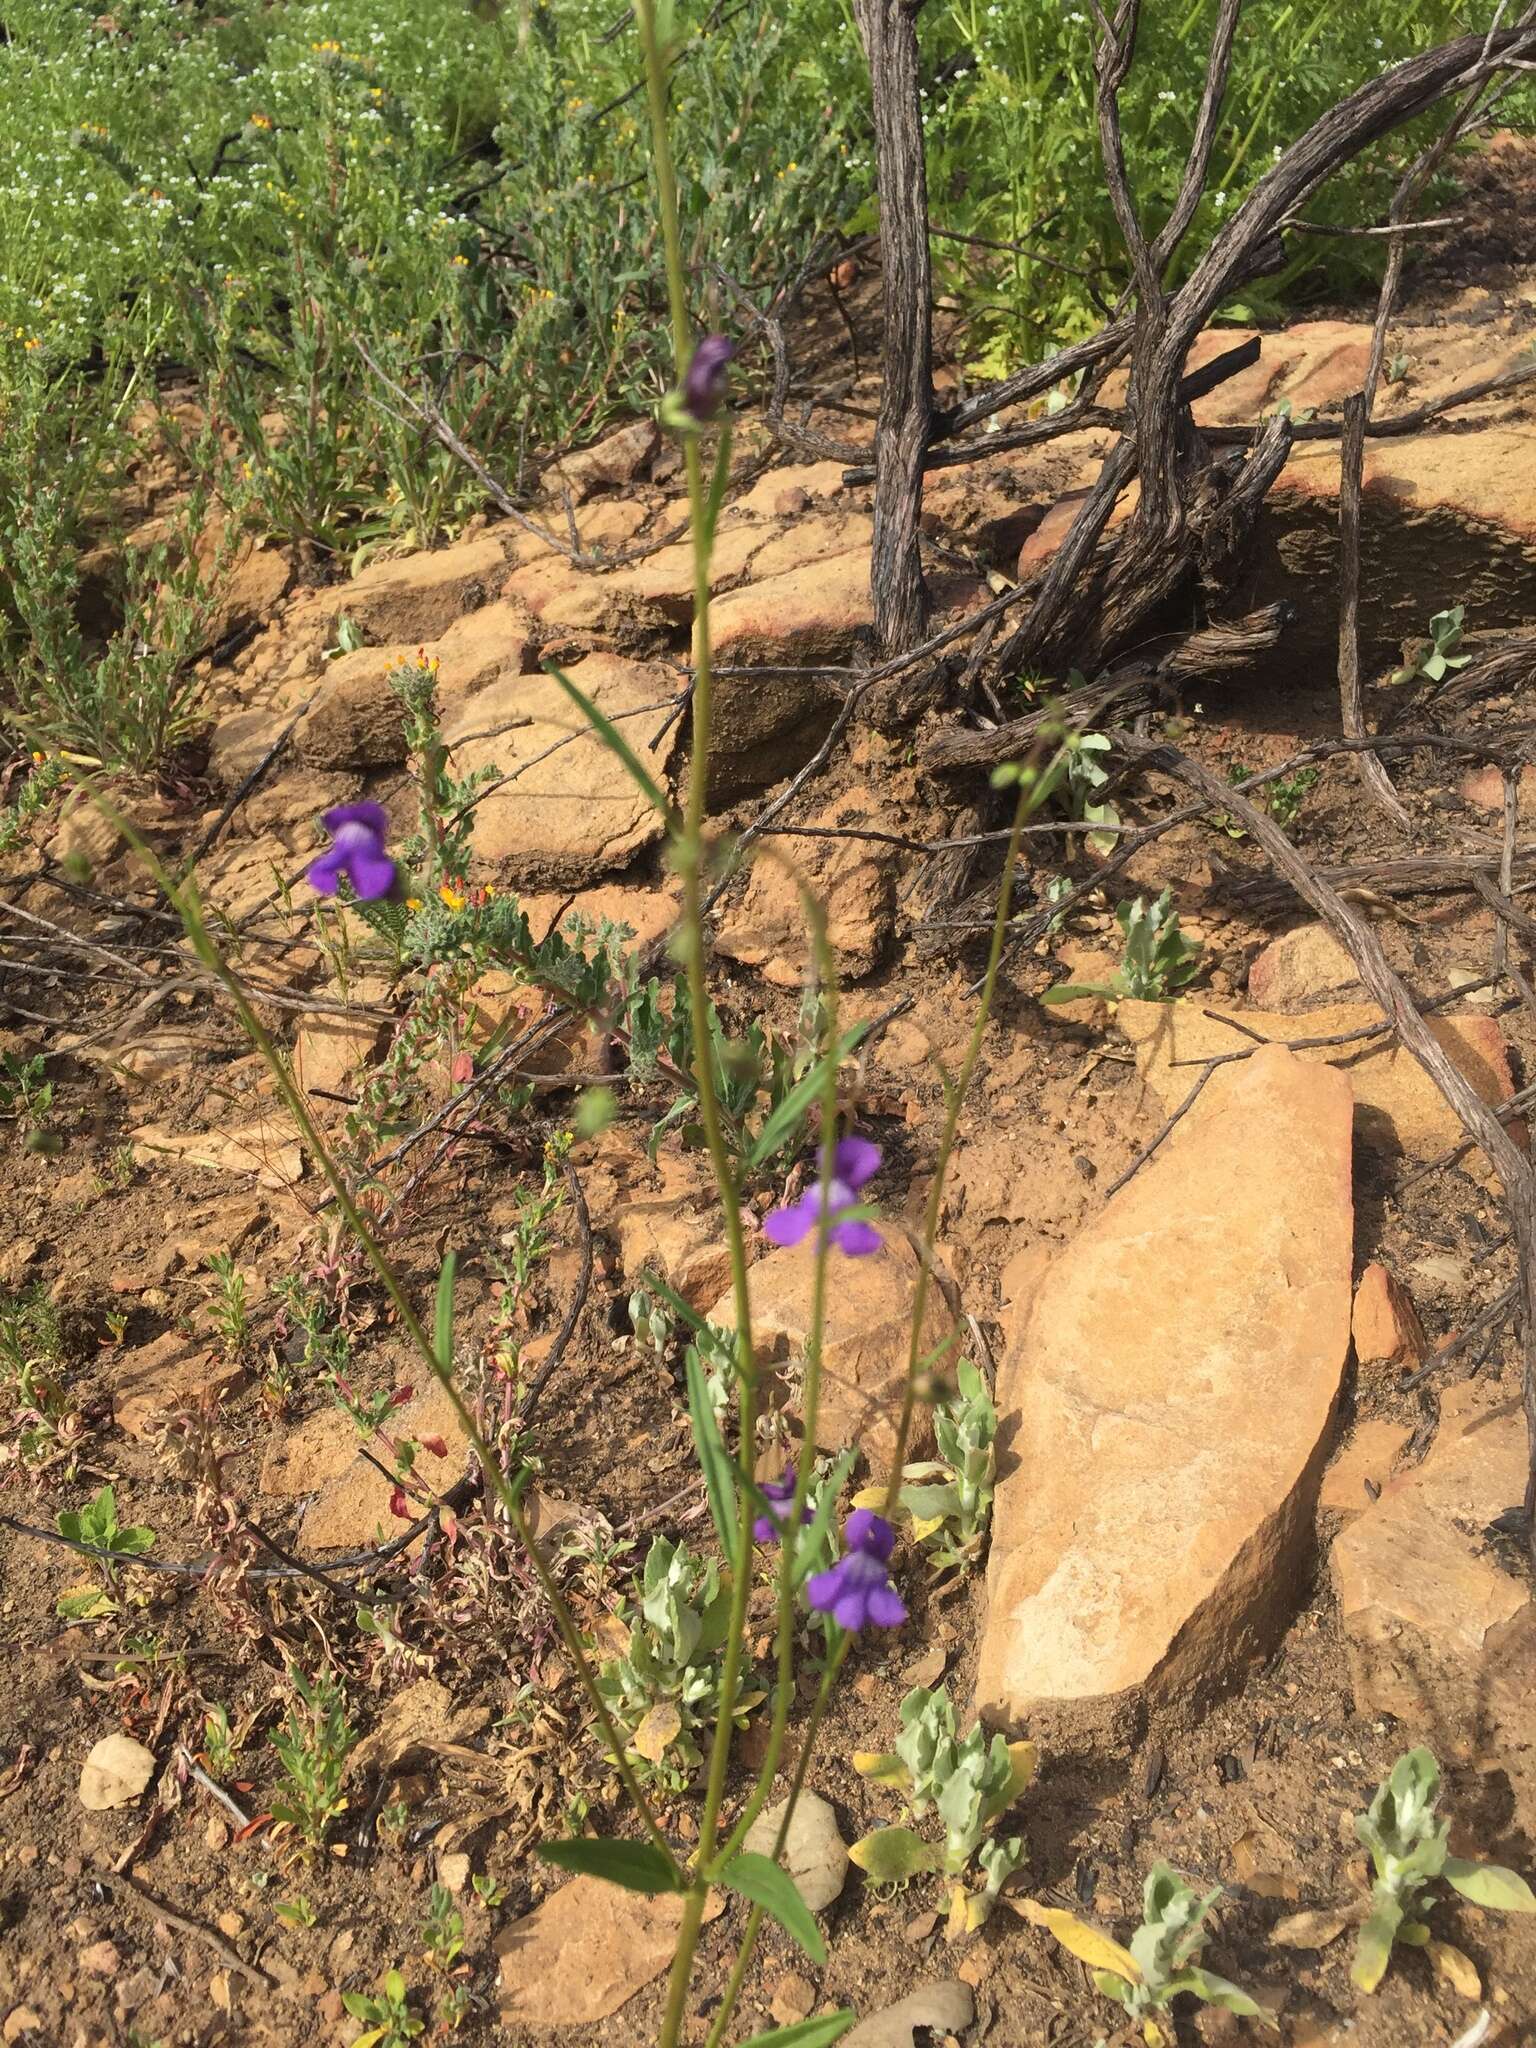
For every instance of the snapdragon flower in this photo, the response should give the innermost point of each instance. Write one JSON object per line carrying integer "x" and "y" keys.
{"x": 854, "y": 1161}
{"x": 357, "y": 850}
{"x": 857, "y": 1591}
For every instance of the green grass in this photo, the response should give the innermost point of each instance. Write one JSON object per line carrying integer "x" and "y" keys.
{"x": 215, "y": 205}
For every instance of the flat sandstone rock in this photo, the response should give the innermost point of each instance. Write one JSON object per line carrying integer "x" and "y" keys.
{"x": 1423, "y": 1593}
{"x": 1165, "y": 1413}
{"x": 569, "y": 809}
{"x": 1399, "y": 1110}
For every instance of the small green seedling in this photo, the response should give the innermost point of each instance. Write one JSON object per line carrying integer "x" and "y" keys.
{"x": 349, "y": 638}
{"x": 489, "y": 1891}
{"x": 1435, "y": 658}
{"x": 1074, "y": 779}
{"x": 312, "y": 1746}
{"x": 388, "y": 2019}
{"x": 1282, "y": 798}
{"x": 442, "y": 1931}
{"x": 296, "y": 1912}
{"x": 226, "y": 1306}
{"x": 221, "y": 1744}
{"x": 1162, "y": 1960}
{"x": 1409, "y": 1851}
{"x": 1157, "y": 963}
{"x": 26, "y": 1096}
{"x": 950, "y": 1517}
{"x": 969, "y": 1782}
{"x": 98, "y": 1526}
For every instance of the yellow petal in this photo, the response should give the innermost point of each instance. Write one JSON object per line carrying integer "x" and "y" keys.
{"x": 1097, "y": 1950}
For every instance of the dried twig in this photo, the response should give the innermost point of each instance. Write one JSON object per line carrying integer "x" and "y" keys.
{"x": 157, "y": 1907}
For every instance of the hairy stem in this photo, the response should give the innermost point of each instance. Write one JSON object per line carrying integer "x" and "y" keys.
{"x": 690, "y": 860}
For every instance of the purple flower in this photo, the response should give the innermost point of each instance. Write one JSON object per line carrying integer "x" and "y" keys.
{"x": 854, "y": 1160}
{"x": 357, "y": 851}
{"x": 780, "y": 1496}
{"x": 704, "y": 385}
{"x": 857, "y": 1591}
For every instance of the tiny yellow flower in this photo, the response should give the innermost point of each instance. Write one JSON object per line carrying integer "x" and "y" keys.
{"x": 413, "y": 903}
{"x": 451, "y": 897}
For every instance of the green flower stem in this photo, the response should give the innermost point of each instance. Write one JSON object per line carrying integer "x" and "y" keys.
{"x": 802, "y": 1765}
{"x": 188, "y": 907}
{"x": 826, "y": 969}
{"x": 690, "y": 861}
{"x": 1028, "y": 802}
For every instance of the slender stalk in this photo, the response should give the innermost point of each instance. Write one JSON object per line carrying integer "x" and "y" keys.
{"x": 188, "y": 907}
{"x": 1028, "y": 802}
{"x": 802, "y": 1765}
{"x": 810, "y": 1408}
{"x": 690, "y": 858}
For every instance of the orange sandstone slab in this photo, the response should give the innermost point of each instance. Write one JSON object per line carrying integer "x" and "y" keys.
{"x": 1166, "y": 1410}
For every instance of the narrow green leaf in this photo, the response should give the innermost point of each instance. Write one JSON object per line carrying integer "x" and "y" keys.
{"x": 442, "y": 1339}
{"x": 635, "y": 1866}
{"x": 1373, "y": 1950}
{"x": 761, "y": 1880}
{"x": 810, "y": 1541}
{"x": 819, "y": 2032}
{"x": 614, "y": 741}
{"x": 1074, "y": 992}
{"x": 1490, "y": 1885}
{"x": 719, "y": 1473}
{"x": 782, "y": 1122}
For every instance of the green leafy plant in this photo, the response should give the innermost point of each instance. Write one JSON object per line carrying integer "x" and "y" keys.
{"x": 1158, "y": 960}
{"x": 222, "y": 1743}
{"x": 26, "y": 1096}
{"x": 664, "y": 1689}
{"x": 97, "y": 1525}
{"x": 387, "y": 2018}
{"x": 950, "y": 1498}
{"x": 226, "y": 1306}
{"x": 312, "y": 1746}
{"x": 1435, "y": 658}
{"x": 1163, "y": 1958}
{"x": 1076, "y": 777}
{"x": 1409, "y": 1852}
{"x": 1283, "y": 798}
{"x": 296, "y": 1912}
{"x": 442, "y": 1930}
{"x": 34, "y": 799}
{"x": 970, "y": 1782}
